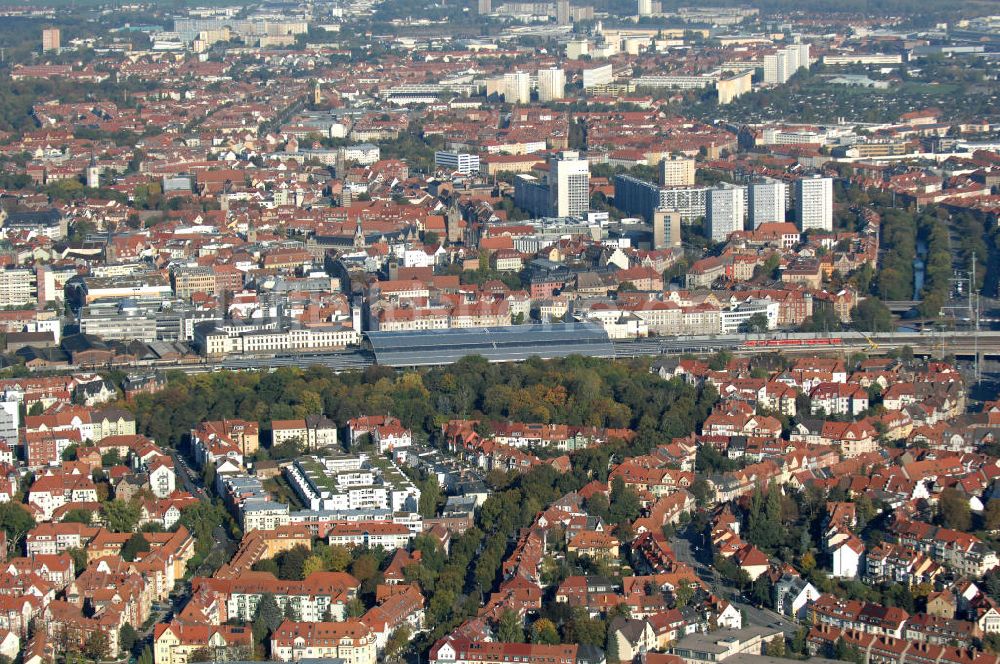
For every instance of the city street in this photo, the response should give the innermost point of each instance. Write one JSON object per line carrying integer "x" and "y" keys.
{"x": 699, "y": 557}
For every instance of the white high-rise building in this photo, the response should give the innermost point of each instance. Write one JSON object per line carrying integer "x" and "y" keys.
{"x": 767, "y": 202}
{"x": 645, "y": 8}
{"x": 803, "y": 54}
{"x": 517, "y": 87}
{"x": 563, "y": 12}
{"x": 551, "y": 84}
{"x": 594, "y": 76}
{"x": 9, "y": 421}
{"x": 677, "y": 172}
{"x": 779, "y": 67}
{"x": 814, "y": 203}
{"x": 569, "y": 185}
{"x": 725, "y": 211}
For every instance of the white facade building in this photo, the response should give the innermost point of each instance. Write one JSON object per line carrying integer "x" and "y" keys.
{"x": 569, "y": 185}
{"x": 551, "y": 84}
{"x": 595, "y": 76}
{"x": 814, "y": 203}
{"x": 461, "y": 162}
{"x": 725, "y": 211}
{"x": 517, "y": 87}
{"x": 767, "y": 202}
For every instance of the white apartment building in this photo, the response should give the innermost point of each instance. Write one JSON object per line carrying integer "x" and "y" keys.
{"x": 691, "y": 202}
{"x": 551, "y": 84}
{"x": 725, "y": 211}
{"x": 517, "y": 87}
{"x": 780, "y": 66}
{"x": 768, "y": 202}
{"x": 677, "y": 172}
{"x": 325, "y": 484}
{"x": 814, "y": 203}
{"x": 362, "y": 153}
{"x": 461, "y": 162}
{"x": 569, "y": 185}
{"x": 17, "y": 287}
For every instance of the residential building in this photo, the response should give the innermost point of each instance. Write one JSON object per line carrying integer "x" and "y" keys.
{"x": 174, "y": 642}
{"x": 677, "y": 172}
{"x": 725, "y": 211}
{"x": 459, "y": 650}
{"x": 458, "y": 162}
{"x": 320, "y": 595}
{"x": 351, "y": 641}
{"x": 768, "y": 202}
{"x": 17, "y": 287}
{"x": 569, "y": 185}
{"x": 51, "y": 40}
{"x": 792, "y": 596}
{"x": 516, "y": 87}
{"x": 814, "y": 203}
{"x": 551, "y": 84}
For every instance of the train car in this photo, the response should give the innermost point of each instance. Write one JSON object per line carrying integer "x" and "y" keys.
{"x": 791, "y": 343}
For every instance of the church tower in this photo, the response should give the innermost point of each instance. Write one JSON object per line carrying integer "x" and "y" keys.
{"x": 359, "y": 236}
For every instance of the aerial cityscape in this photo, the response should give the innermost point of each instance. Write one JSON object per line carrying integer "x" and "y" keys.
{"x": 500, "y": 332}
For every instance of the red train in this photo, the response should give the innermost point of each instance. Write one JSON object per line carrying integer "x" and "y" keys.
{"x": 793, "y": 343}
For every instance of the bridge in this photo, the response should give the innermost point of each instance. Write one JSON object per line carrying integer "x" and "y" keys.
{"x": 900, "y": 306}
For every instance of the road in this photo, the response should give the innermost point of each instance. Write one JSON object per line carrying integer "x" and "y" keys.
{"x": 191, "y": 481}
{"x": 691, "y": 551}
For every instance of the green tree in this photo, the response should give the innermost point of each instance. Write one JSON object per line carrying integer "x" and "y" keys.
{"x": 78, "y": 516}
{"x": 337, "y": 558}
{"x": 611, "y": 650}
{"x": 354, "y": 608}
{"x": 396, "y": 643}
{"x": 719, "y": 360}
{"x": 111, "y": 458}
{"x": 991, "y": 515}
{"x": 585, "y": 630}
{"x": 16, "y": 521}
{"x": 312, "y": 564}
{"x": 293, "y": 563}
{"x": 544, "y": 631}
{"x": 201, "y": 519}
{"x": 127, "y": 638}
{"x": 683, "y": 593}
{"x": 135, "y": 545}
{"x": 364, "y": 567}
{"x": 871, "y": 315}
{"x": 625, "y": 506}
{"x": 267, "y": 617}
{"x": 953, "y": 507}
{"x": 509, "y": 628}
{"x": 79, "y": 557}
{"x": 121, "y": 516}
{"x": 776, "y": 647}
{"x": 755, "y": 324}
{"x": 97, "y": 646}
